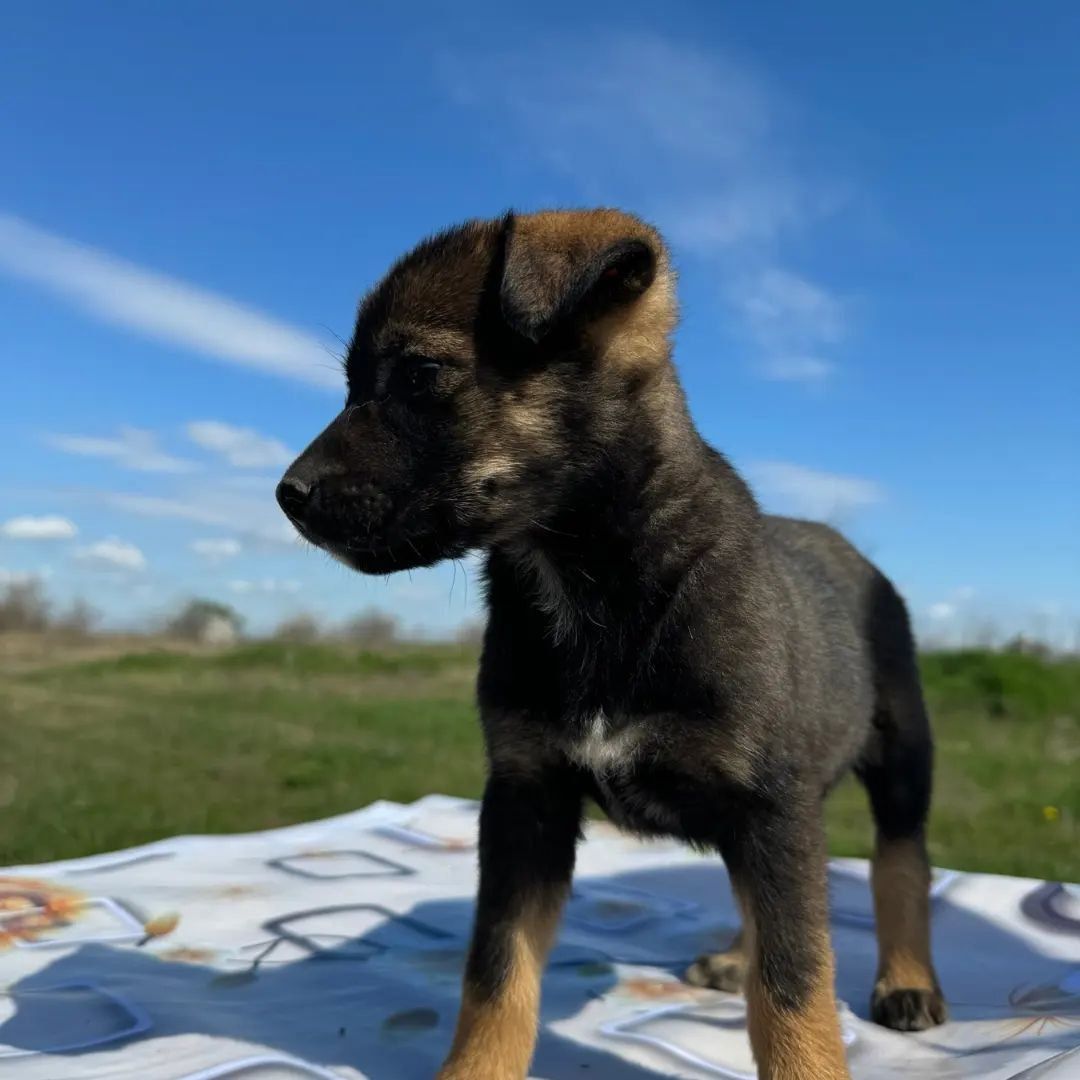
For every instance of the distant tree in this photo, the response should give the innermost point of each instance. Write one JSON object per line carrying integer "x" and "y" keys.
{"x": 78, "y": 620}
{"x": 300, "y": 629}
{"x": 24, "y": 607}
{"x": 373, "y": 629}
{"x": 471, "y": 633}
{"x": 1029, "y": 646}
{"x": 984, "y": 633}
{"x": 207, "y": 622}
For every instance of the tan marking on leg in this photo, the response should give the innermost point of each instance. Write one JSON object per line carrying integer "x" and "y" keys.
{"x": 906, "y": 994}
{"x": 803, "y": 1044}
{"x": 495, "y": 1037}
{"x": 901, "y": 881}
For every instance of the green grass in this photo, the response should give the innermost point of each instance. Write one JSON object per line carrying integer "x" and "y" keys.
{"x": 127, "y": 747}
{"x": 1007, "y": 779}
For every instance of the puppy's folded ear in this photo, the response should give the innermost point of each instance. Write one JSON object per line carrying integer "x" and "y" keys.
{"x": 564, "y": 266}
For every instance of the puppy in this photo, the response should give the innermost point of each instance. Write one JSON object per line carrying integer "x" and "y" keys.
{"x": 654, "y": 641}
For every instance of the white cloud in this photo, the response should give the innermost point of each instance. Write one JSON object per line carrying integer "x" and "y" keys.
{"x": 635, "y": 108}
{"x": 958, "y": 600}
{"x": 165, "y": 308}
{"x": 217, "y": 550}
{"x": 112, "y": 554}
{"x": 263, "y": 484}
{"x": 749, "y": 217}
{"x": 699, "y": 142}
{"x": 790, "y": 319}
{"x": 48, "y": 527}
{"x": 266, "y": 586}
{"x": 808, "y": 369}
{"x": 259, "y": 520}
{"x": 242, "y": 448}
{"x": 811, "y": 493}
{"x": 131, "y": 448}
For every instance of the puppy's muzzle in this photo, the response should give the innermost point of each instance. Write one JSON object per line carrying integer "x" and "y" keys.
{"x": 334, "y": 512}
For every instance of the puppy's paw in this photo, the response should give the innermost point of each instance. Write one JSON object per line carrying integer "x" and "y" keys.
{"x": 907, "y": 1010}
{"x": 719, "y": 971}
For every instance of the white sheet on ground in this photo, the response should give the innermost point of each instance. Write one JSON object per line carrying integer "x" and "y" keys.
{"x": 334, "y": 950}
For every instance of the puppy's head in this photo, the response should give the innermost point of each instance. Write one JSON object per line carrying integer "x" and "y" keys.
{"x": 487, "y": 374}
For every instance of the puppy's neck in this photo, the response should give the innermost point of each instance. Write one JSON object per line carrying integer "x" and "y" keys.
{"x": 612, "y": 559}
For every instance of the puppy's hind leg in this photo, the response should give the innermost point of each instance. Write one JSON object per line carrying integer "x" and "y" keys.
{"x": 723, "y": 970}
{"x": 896, "y": 771}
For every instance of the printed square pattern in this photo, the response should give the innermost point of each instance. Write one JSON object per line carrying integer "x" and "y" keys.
{"x": 272, "y": 952}
{"x": 1063, "y": 1066}
{"x": 66, "y": 1017}
{"x": 108, "y": 864}
{"x": 338, "y": 865}
{"x": 449, "y": 830}
{"x": 95, "y": 920}
{"x": 700, "y": 1036}
{"x": 1054, "y": 906}
{"x": 267, "y": 1067}
{"x": 352, "y": 927}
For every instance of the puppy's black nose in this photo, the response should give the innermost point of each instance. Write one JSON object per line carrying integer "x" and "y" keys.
{"x": 293, "y": 495}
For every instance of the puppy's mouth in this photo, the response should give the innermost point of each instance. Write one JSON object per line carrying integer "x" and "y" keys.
{"x": 405, "y": 553}
{"x": 367, "y": 551}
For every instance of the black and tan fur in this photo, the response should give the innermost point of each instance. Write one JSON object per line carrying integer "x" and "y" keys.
{"x": 655, "y": 642}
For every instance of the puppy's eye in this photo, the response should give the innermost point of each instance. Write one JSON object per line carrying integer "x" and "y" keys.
{"x": 421, "y": 375}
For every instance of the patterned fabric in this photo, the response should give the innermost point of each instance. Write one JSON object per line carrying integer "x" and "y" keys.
{"x": 335, "y": 949}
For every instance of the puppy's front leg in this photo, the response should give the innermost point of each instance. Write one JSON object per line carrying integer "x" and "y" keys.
{"x": 777, "y": 864}
{"x": 528, "y": 831}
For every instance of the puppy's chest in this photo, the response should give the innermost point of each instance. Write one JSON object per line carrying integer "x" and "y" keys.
{"x": 622, "y": 756}
{"x": 599, "y": 744}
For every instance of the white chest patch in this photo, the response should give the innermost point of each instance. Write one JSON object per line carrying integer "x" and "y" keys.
{"x": 603, "y": 750}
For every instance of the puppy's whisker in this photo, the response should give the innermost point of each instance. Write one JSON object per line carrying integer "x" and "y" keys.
{"x": 556, "y": 532}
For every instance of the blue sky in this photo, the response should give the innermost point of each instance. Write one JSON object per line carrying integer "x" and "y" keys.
{"x": 872, "y": 207}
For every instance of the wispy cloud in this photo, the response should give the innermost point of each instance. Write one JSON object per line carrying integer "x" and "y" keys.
{"x": 262, "y": 483}
{"x": 242, "y": 448}
{"x": 956, "y": 601}
{"x": 267, "y": 586}
{"x": 112, "y": 554}
{"x": 47, "y": 527}
{"x": 804, "y": 369}
{"x": 215, "y": 550}
{"x": 131, "y": 448}
{"x": 806, "y": 492}
{"x": 697, "y": 140}
{"x": 790, "y": 319}
{"x": 161, "y": 307}
{"x": 257, "y": 520}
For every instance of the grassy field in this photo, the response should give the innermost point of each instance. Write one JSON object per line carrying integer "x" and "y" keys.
{"x": 111, "y": 744}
